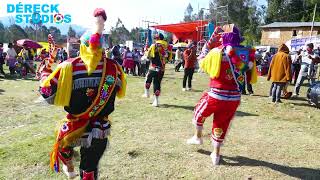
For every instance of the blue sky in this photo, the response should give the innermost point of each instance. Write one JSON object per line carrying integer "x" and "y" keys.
{"x": 131, "y": 12}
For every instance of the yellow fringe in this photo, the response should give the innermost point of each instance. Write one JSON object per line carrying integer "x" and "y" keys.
{"x": 254, "y": 75}
{"x": 64, "y": 88}
{"x": 211, "y": 64}
{"x": 151, "y": 51}
{"x": 162, "y": 42}
{"x": 91, "y": 57}
{"x": 122, "y": 91}
{"x": 54, "y": 154}
{"x": 70, "y": 138}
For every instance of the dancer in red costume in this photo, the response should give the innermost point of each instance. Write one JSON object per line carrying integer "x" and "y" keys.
{"x": 226, "y": 65}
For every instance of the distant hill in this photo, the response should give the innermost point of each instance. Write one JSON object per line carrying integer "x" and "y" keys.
{"x": 63, "y": 27}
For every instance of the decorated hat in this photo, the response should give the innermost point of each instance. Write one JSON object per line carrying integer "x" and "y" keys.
{"x": 92, "y": 41}
{"x": 231, "y": 35}
{"x": 100, "y": 12}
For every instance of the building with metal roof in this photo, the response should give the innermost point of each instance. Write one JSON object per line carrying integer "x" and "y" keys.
{"x": 277, "y": 33}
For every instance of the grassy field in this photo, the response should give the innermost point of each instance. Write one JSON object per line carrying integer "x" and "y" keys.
{"x": 265, "y": 141}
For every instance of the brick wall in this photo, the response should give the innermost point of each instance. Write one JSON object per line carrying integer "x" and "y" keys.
{"x": 285, "y": 34}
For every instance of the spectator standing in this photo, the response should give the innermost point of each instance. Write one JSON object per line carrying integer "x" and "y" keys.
{"x": 307, "y": 68}
{"x": 11, "y": 58}
{"x": 189, "y": 56}
{"x": 279, "y": 72}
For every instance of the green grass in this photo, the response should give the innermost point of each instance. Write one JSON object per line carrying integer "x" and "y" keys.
{"x": 265, "y": 141}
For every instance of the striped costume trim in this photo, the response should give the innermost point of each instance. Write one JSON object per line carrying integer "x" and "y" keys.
{"x": 82, "y": 64}
{"x": 86, "y": 82}
{"x": 85, "y": 72}
{"x": 224, "y": 97}
{"x": 198, "y": 112}
{"x": 224, "y": 91}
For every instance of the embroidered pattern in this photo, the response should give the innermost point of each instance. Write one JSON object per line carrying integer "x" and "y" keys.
{"x": 229, "y": 75}
{"x": 104, "y": 94}
{"x": 241, "y": 78}
{"x": 217, "y": 132}
{"x": 64, "y": 127}
{"x": 90, "y": 92}
{"x": 46, "y": 91}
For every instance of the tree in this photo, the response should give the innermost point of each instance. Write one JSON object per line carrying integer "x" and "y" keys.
{"x": 55, "y": 32}
{"x": 62, "y": 39}
{"x": 2, "y": 33}
{"x": 71, "y": 32}
{"x": 120, "y": 33}
{"x": 16, "y": 32}
{"x": 291, "y": 11}
{"x": 30, "y": 31}
{"x": 44, "y": 32}
{"x": 188, "y": 13}
{"x": 135, "y": 34}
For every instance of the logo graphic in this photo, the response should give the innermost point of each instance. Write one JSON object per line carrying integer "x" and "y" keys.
{"x": 58, "y": 18}
{"x": 38, "y": 13}
{"x": 217, "y": 132}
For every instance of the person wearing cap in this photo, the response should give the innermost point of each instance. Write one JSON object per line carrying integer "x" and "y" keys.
{"x": 189, "y": 57}
{"x": 307, "y": 70}
{"x": 226, "y": 65}
{"x": 157, "y": 54}
{"x": 86, "y": 87}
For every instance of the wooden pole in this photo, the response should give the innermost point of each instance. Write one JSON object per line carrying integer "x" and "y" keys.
{"x": 314, "y": 14}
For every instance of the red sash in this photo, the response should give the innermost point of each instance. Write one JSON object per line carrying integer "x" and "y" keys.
{"x": 74, "y": 125}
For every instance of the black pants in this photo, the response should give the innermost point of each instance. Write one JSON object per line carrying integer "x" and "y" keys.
{"x": 161, "y": 74}
{"x": 147, "y": 66}
{"x": 154, "y": 76}
{"x": 177, "y": 67}
{"x": 249, "y": 88}
{"x": 188, "y": 73}
{"x": 143, "y": 70}
{"x": 295, "y": 71}
{"x": 12, "y": 70}
{"x": 137, "y": 65}
{"x": 1, "y": 69}
{"x": 91, "y": 156}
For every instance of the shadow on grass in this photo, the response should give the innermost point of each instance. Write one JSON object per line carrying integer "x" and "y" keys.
{"x": 1, "y": 91}
{"x": 242, "y": 114}
{"x": 298, "y": 98}
{"x": 196, "y": 90}
{"x": 296, "y": 172}
{"x": 304, "y": 104}
{"x": 173, "y": 78}
{"x": 258, "y": 95}
{"x": 28, "y": 78}
{"x": 191, "y": 108}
